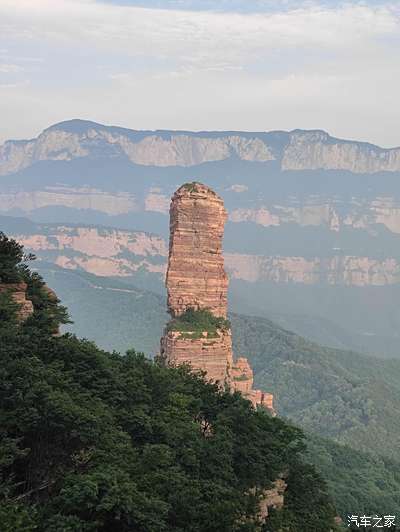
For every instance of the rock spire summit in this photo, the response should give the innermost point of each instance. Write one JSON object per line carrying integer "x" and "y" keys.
{"x": 196, "y": 277}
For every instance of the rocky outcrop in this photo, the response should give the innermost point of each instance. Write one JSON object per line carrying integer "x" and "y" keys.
{"x": 195, "y": 276}
{"x": 272, "y": 498}
{"x": 196, "y": 281}
{"x": 296, "y": 150}
{"x": 242, "y": 381}
{"x": 213, "y": 356}
{"x": 18, "y": 295}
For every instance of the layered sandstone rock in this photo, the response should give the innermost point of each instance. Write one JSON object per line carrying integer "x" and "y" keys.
{"x": 196, "y": 280}
{"x": 101, "y": 251}
{"x": 242, "y": 381}
{"x": 18, "y": 294}
{"x": 196, "y": 277}
{"x": 210, "y": 355}
{"x": 117, "y": 252}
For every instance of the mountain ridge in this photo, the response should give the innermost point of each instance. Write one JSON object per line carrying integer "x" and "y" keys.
{"x": 294, "y": 150}
{"x": 76, "y": 124}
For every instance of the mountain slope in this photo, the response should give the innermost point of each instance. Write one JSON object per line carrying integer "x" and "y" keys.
{"x": 334, "y": 386}
{"x": 350, "y": 397}
{"x": 344, "y": 395}
{"x": 364, "y": 481}
{"x": 115, "y": 315}
{"x": 93, "y": 441}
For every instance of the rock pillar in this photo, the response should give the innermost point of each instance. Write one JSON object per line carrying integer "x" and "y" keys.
{"x": 197, "y": 282}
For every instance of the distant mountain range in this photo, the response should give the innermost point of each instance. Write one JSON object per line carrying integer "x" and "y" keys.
{"x": 294, "y": 150}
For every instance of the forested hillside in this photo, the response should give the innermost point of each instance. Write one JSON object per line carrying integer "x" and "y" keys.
{"x": 352, "y": 398}
{"x": 366, "y": 481}
{"x": 93, "y": 441}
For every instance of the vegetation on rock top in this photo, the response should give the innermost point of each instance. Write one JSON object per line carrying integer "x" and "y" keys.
{"x": 193, "y": 323}
{"x": 190, "y": 187}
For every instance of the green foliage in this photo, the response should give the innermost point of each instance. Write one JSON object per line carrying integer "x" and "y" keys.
{"x": 96, "y": 441}
{"x": 191, "y": 187}
{"x": 192, "y": 323}
{"x": 361, "y": 483}
{"x": 307, "y": 503}
{"x": 11, "y": 255}
{"x": 8, "y": 310}
{"x": 48, "y": 313}
{"x": 350, "y": 398}
{"x": 93, "y": 441}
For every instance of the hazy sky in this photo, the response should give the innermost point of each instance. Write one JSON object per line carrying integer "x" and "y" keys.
{"x": 202, "y": 64}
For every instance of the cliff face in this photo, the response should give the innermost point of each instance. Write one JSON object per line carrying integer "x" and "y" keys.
{"x": 295, "y": 150}
{"x": 121, "y": 253}
{"x": 83, "y": 171}
{"x": 63, "y": 142}
{"x": 360, "y": 213}
{"x": 242, "y": 381}
{"x": 210, "y": 355}
{"x": 104, "y": 252}
{"x": 311, "y": 150}
{"x": 196, "y": 280}
{"x": 195, "y": 276}
{"x": 316, "y": 211}
{"x": 337, "y": 270}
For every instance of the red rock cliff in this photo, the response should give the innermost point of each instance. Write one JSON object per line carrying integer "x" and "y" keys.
{"x": 196, "y": 279}
{"x": 242, "y": 381}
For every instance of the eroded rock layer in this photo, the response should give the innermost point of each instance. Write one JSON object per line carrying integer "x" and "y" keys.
{"x": 242, "y": 379}
{"x": 210, "y": 355}
{"x": 196, "y": 277}
{"x": 196, "y": 280}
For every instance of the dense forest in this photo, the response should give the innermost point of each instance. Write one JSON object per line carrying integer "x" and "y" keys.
{"x": 347, "y": 396}
{"x": 316, "y": 387}
{"x": 97, "y": 441}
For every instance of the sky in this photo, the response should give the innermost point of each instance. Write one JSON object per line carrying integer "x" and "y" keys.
{"x": 254, "y": 65}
